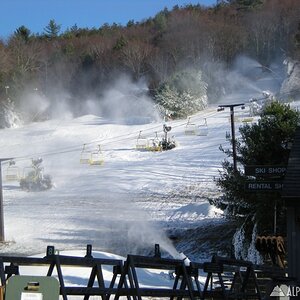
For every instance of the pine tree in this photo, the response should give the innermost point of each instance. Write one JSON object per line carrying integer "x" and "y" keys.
{"x": 23, "y": 33}
{"x": 264, "y": 143}
{"x": 184, "y": 94}
{"x": 52, "y": 29}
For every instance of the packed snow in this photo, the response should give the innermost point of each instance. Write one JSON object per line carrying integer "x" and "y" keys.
{"x": 123, "y": 206}
{"x": 120, "y": 206}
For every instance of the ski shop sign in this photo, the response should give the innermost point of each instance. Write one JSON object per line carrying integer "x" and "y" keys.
{"x": 265, "y": 171}
{"x": 263, "y": 186}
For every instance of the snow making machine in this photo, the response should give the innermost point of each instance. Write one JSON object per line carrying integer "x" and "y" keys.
{"x": 167, "y": 143}
{"x": 194, "y": 129}
{"x": 33, "y": 178}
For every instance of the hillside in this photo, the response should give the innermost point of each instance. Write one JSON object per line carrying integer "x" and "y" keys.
{"x": 81, "y": 63}
{"x": 124, "y": 206}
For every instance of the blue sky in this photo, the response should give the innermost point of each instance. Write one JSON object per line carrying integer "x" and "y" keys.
{"x": 36, "y": 14}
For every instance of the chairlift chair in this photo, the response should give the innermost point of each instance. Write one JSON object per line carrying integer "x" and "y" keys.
{"x": 12, "y": 171}
{"x": 247, "y": 120}
{"x": 154, "y": 144}
{"x": 29, "y": 171}
{"x": 85, "y": 155}
{"x": 96, "y": 157}
{"x": 142, "y": 142}
{"x": 203, "y": 129}
{"x": 247, "y": 116}
{"x": 190, "y": 128}
{"x": 237, "y": 119}
{"x": 193, "y": 129}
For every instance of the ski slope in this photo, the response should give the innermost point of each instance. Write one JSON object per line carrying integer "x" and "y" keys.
{"x": 125, "y": 205}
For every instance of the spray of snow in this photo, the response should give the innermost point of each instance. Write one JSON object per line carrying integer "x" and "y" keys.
{"x": 239, "y": 243}
{"x": 253, "y": 255}
{"x": 8, "y": 115}
{"x": 33, "y": 105}
{"x": 125, "y": 101}
{"x": 122, "y": 101}
{"x": 245, "y": 250}
{"x": 246, "y": 79}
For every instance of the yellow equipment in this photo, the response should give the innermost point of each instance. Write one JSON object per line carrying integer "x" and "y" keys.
{"x": 96, "y": 157}
{"x": 148, "y": 144}
{"x": 194, "y": 129}
{"x": 91, "y": 157}
{"x": 85, "y": 155}
{"x": 12, "y": 171}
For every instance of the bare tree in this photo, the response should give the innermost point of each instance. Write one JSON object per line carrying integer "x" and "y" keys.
{"x": 134, "y": 56}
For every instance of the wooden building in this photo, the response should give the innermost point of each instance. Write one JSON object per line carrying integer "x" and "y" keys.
{"x": 291, "y": 195}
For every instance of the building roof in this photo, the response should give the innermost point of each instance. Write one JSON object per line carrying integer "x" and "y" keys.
{"x": 291, "y": 184}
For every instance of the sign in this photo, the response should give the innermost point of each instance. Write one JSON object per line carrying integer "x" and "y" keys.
{"x": 263, "y": 186}
{"x": 265, "y": 171}
{"x": 31, "y": 296}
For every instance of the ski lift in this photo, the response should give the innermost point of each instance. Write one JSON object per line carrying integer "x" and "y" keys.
{"x": 12, "y": 171}
{"x": 96, "y": 157}
{"x": 29, "y": 172}
{"x": 85, "y": 155}
{"x": 190, "y": 128}
{"x": 203, "y": 129}
{"x": 193, "y": 129}
{"x": 247, "y": 120}
{"x": 141, "y": 142}
{"x": 148, "y": 144}
{"x": 154, "y": 144}
{"x": 237, "y": 119}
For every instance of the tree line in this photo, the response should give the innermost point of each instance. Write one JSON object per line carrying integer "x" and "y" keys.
{"x": 84, "y": 61}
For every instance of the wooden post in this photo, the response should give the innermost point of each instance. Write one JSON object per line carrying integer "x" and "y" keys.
{"x": 1, "y": 208}
{"x": 2, "y": 239}
{"x": 291, "y": 196}
{"x": 234, "y": 156}
{"x": 293, "y": 235}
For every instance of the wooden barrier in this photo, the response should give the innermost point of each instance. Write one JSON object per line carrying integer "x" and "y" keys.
{"x": 183, "y": 282}
{"x": 2, "y": 288}
{"x": 56, "y": 262}
{"x": 225, "y": 278}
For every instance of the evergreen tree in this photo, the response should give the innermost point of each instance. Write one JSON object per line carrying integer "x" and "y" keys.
{"x": 167, "y": 99}
{"x": 184, "y": 94}
{"x": 23, "y": 33}
{"x": 52, "y": 29}
{"x": 264, "y": 143}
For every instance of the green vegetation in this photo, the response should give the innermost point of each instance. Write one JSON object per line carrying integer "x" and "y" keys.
{"x": 184, "y": 94}
{"x": 84, "y": 61}
{"x": 265, "y": 143}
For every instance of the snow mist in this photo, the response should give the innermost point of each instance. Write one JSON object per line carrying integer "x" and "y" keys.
{"x": 245, "y": 80}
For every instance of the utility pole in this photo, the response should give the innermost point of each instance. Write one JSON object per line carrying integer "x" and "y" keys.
{"x": 6, "y": 88}
{"x": 232, "y": 106}
{"x": 1, "y": 202}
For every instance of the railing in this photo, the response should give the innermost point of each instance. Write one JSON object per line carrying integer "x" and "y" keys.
{"x": 225, "y": 278}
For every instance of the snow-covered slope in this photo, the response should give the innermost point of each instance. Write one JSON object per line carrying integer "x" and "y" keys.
{"x": 122, "y": 206}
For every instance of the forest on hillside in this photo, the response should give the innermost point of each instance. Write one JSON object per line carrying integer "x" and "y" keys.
{"x": 184, "y": 42}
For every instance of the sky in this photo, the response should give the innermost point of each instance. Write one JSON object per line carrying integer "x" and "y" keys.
{"x": 36, "y": 14}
